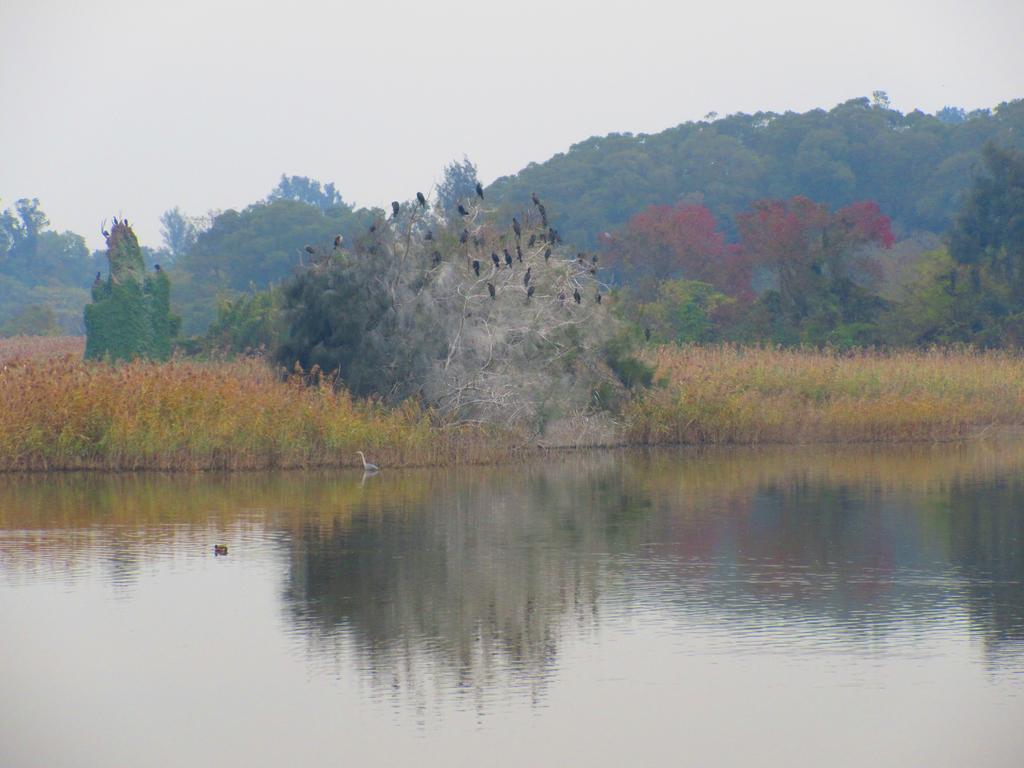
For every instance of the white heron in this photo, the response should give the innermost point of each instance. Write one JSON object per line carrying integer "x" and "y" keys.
{"x": 367, "y": 466}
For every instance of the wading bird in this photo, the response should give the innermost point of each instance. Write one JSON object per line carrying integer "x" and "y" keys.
{"x": 367, "y": 466}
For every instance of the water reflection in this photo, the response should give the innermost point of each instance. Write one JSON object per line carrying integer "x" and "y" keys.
{"x": 468, "y": 585}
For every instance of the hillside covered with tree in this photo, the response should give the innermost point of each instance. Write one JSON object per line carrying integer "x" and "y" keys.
{"x": 915, "y": 166}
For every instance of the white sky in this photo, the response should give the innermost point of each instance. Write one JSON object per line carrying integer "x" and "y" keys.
{"x": 134, "y": 107}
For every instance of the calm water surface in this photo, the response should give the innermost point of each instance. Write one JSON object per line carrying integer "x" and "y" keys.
{"x": 782, "y": 607}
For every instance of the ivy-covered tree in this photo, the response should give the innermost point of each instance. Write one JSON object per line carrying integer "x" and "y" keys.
{"x": 130, "y": 314}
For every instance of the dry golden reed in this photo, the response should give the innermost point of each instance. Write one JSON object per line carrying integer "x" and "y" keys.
{"x": 62, "y": 413}
{"x": 749, "y": 395}
{"x": 40, "y": 347}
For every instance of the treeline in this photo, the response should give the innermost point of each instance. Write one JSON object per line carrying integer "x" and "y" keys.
{"x": 915, "y": 166}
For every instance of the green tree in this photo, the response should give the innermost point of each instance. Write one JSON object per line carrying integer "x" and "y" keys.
{"x": 253, "y": 249}
{"x": 130, "y": 314}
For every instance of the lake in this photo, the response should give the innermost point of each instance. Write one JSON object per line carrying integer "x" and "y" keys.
{"x": 785, "y": 606}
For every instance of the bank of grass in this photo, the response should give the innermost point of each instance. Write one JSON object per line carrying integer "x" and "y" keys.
{"x": 736, "y": 395}
{"x": 62, "y": 413}
{"x": 40, "y": 347}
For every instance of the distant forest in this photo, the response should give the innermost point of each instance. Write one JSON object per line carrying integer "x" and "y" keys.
{"x": 915, "y": 168}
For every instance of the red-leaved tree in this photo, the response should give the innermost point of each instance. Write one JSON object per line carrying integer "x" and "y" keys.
{"x": 664, "y": 242}
{"x": 813, "y": 254}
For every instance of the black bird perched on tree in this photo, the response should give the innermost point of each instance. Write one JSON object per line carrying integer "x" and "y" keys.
{"x": 519, "y": 252}
{"x": 98, "y": 279}
{"x": 576, "y": 295}
{"x": 436, "y": 258}
{"x": 593, "y": 259}
{"x": 157, "y": 268}
{"x": 516, "y": 228}
{"x": 395, "y": 208}
{"x": 547, "y": 254}
{"x": 462, "y": 210}
{"x": 529, "y": 291}
{"x": 543, "y": 214}
{"x": 477, "y": 241}
{"x": 476, "y": 267}
{"x": 647, "y": 333}
{"x": 526, "y": 277}
{"x": 508, "y": 259}
{"x": 373, "y": 228}
{"x": 598, "y": 297}
{"x": 561, "y": 297}
{"x": 421, "y": 200}
{"x": 105, "y": 233}
{"x": 337, "y": 241}
{"x": 495, "y": 259}
{"x": 490, "y": 290}
{"x": 310, "y": 250}
{"x": 536, "y": 200}
{"x": 429, "y": 235}
{"x": 464, "y": 236}
{"x": 533, "y": 239}
{"x": 553, "y": 236}
{"x": 479, "y": 190}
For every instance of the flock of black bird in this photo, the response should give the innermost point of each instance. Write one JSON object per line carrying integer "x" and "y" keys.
{"x": 549, "y": 237}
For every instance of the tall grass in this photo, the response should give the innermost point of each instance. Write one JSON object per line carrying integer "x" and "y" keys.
{"x": 62, "y": 413}
{"x": 40, "y": 347}
{"x": 733, "y": 395}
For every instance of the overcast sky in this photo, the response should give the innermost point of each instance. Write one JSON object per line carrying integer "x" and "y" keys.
{"x": 132, "y": 108}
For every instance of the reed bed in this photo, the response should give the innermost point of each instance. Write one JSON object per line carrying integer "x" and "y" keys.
{"x": 40, "y": 347}
{"x": 750, "y": 395}
{"x": 59, "y": 412}
{"x": 62, "y": 413}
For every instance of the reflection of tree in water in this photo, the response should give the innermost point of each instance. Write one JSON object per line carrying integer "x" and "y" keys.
{"x": 474, "y": 580}
{"x": 986, "y": 543}
{"x": 476, "y": 587}
{"x": 469, "y": 591}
